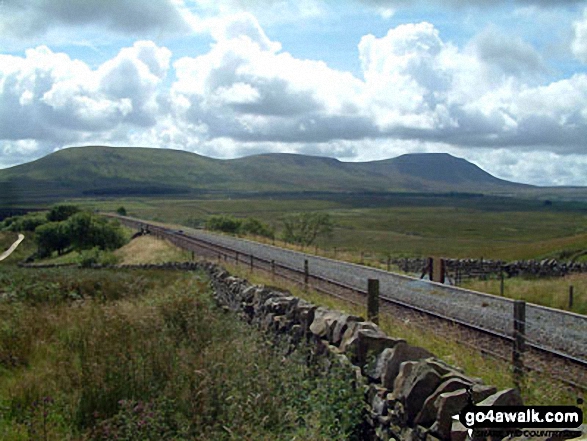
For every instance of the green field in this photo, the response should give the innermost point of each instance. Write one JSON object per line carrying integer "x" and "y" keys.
{"x": 400, "y": 225}
{"x": 146, "y": 355}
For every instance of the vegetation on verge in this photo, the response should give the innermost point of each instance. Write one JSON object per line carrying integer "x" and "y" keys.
{"x": 65, "y": 228}
{"x": 539, "y": 388}
{"x": 547, "y": 291}
{"x": 145, "y": 355}
{"x": 304, "y": 228}
{"x": 232, "y": 225}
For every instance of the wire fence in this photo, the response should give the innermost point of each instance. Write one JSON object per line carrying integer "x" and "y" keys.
{"x": 559, "y": 333}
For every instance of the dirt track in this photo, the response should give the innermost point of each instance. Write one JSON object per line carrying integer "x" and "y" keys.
{"x": 9, "y": 251}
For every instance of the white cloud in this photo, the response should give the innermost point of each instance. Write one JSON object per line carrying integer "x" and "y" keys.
{"x": 246, "y": 95}
{"x": 386, "y": 13}
{"x": 508, "y": 54}
{"x": 29, "y": 18}
{"x": 579, "y": 44}
{"x": 267, "y": 11}
{"x": 53, "y": 100}
{"x": 246, "y": 89}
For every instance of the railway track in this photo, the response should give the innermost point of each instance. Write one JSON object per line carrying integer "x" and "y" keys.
{"x": 556, "y": 340}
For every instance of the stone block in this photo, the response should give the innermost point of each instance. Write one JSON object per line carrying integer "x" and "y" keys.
{"x": 400, "y": 353}
{"x": 413, "y": 389}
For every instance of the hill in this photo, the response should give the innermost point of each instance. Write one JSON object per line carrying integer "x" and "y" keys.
{"x": 117, "y": 171}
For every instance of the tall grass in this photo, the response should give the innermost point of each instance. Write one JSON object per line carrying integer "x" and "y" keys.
{"x": 539, "y": 389}
{"x": 7, "y": 238}
{"x": 147, "y": 356}
{"x": 552, "y": 291}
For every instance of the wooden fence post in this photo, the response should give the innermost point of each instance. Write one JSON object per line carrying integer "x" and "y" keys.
{"x": 373, "y": 300}
{"x": 501, "y": 283}
{"x": 571, "y": 295}
{"x": 252, "y": 263}
{"x": 437, "y": 272}
{"x": 306, "y": 273}
{"x": 519, "y": 342}
{"x": 388, "y": 263}
{"x": 272, "y": 269}
{"x": 236, "y": 257}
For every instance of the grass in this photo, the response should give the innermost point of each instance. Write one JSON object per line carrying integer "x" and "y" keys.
{"x": 149, "y": 249}
{"x": 540, "y": 389}
{"x": 400, "y": 226}
{"x": 134, "y": 354}
{"x": 6, "y": 239}
{"x": 552, "y": 292}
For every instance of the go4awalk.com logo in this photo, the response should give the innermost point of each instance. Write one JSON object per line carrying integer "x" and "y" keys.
{"x": 526, "y": 421}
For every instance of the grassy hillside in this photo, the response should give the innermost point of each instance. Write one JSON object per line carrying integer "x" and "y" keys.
{"x": 108, "y": 171}
{"x": 406, "y": 226}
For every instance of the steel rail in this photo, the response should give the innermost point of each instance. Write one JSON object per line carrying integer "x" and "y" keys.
{"x": 217, "y": 249}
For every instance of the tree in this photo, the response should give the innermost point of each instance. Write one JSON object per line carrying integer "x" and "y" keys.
{"x": 305, "y": 228}
{"x": 121, "y": 211}
{"x": 225, "y": 223}
{"x": 87, "y": 231}
{"x": 60, "y": 213}
{"x": 28, "y": 222}
{"x": 53, "y": 236}
{"x": 255, "y": 227}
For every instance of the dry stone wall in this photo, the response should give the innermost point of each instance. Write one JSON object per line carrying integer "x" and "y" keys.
{"x": 481, "y": 268}
{"x": 409, "y": 394}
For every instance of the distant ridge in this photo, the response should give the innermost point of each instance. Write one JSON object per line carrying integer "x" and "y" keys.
{"x": 119, "y": 171}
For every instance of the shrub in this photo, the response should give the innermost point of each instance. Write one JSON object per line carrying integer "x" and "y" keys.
{"x": 96, "y": 256}
{"x": 121, "y": 211}
{"x": 257, "y": 228}
{"x": 87, "y": 231}
{"x": 60, "y": 213}
{"x": 305, "y": 228}
{"x": 28, "y": 222}
{"x": 53, "y": 236}
{"x": 224, "y": 223}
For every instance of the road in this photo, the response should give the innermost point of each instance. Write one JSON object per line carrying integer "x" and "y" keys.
{"x": 9, "y": 251}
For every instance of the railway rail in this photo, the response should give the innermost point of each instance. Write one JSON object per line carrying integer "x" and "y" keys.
{"x": 556, "y": 340}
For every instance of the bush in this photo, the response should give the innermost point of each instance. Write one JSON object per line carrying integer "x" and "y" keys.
{"x": 28, "y": 222}
{"x": 87, "y": 231}
{"x": 50, "y": 237}
{"x": 304, "y": 228}
{"x": 121, "y": 211}
{"x": 257, "y": 228}
{"x": 96, "y": 256}
{"x": 232, "y": 225}
{"x": 224, "y": 223}
{"x": 60, "y": 213}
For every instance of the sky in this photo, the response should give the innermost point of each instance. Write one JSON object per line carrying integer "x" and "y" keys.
{"x": 501, "y": 83}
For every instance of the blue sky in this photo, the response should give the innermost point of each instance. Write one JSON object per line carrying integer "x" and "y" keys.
{"x": 500, "y": 83}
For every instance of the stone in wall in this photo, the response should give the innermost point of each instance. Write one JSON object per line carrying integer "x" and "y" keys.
{"x": 409, "y": 394}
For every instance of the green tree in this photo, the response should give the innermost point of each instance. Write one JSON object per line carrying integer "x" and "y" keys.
{"x": 87, "y": 231}
{"x": 53, "y": 236}
{"x": 254, "y": 226}
{"x": 60, "y": 213}
{"x": 121, "y": 211}
{"x": 305, "y": 228}
{"x": 225, "y": 223}
{"x": 28, "y": 222}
